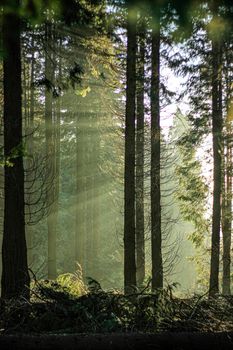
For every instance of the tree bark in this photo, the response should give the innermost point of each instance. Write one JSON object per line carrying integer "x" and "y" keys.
{"x": 217, "y": 164}
{"x": 227, "y": 199}
{"x": 129, "y": 171}
{"x": 80, "y": 193}
{"x": 156, "y": 234}
{"x": 226, "y": 220}
{"x": 1, "y": 168}
{"x": 57, "y": 160}
{"x": 50, "y": 155}
{"x": 15, "y": 277}
{"x": 89, "y": 194}
{"x": 140, "y": 234}
{"x": 30, "y": 149}
{"x": 96, "y": 198}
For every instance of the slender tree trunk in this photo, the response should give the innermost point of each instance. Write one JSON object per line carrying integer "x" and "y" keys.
{"x": 156, "y": 234}
{"x": 96, "y": 198}
{"x": 129, "y": 174}
{"x": 50, "y": 154}
{"x": 80, "y": 192}
{"x": 1, "y": 168}
{"x": 227, "y": 193}
{"x": 30, "y": 147}
{"x": 89, "y": 194}
{"x": 56, "y": 155}
{"x": 217, "y": 164}
{"x": 227, "y": 217}
{"x": 57, "y": 147}
{"x": 140, "y": 236}
{"x": 15, "y": 277}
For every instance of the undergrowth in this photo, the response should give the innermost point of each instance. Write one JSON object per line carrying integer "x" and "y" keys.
{"x": 68, "y": 306}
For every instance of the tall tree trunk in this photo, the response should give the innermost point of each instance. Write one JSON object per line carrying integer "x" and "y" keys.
{"x": 80, "y": 192}
{"x": 89, "y": 194}
{"x": 129, "y": 172}
{"x": 217, "y": 163}
{"x": 227, "y": 216}
{"x": 227, "y": 194}
{"x": 1, "y": 168}
{"x": 57, "y": 147}
{"x": 96, "y": 198}
{"x": 15, "y": 277}
{"x": 156, "y": 234}
{"x": 140, "y": 235}
{"x": 30, "y": 148}
{"x": 50, "y": 155}
{"x": 56, "y": 154}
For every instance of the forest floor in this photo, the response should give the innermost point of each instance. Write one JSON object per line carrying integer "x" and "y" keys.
{"x": 55, "y": 318}
{"x": 119, "y": 341}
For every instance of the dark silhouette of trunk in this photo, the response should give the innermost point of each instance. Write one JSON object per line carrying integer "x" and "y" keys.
{"x": 89, "y": 197}
{"x": 56, "y": 190}
{"x": 96, "y": 198}
{"x": 227, "y": 216}
{"x": 80, "y": 191}
{"x": 140, "y": 237}
{"x": 30, "y": 147}
{"x": 15, "y": 277}
{"x": 227, "y": 194}
{"x": 129, "y": 172}
{"x": 96, "y": 228}
{"x": 50, "y": 155}
{"x": 156, "y": 235}
{"x": 1, "y": 168}
{"x": 217, "y": 163}
{"x": 56, "y": 152}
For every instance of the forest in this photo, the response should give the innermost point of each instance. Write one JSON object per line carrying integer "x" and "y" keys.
{"x": 116, "y": 174}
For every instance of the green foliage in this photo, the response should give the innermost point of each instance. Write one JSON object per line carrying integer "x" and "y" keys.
{"x": 192, "y": 193}
{"x": 73, "y": 282}
{"x": 83, "y": 91}
{"x": 18, "y": 151}
{"x": 69, "y": 11}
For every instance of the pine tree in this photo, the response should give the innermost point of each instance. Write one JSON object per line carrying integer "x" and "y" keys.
{"x": 156, "y": 233}
{"x": 129, "y": 176}
{"x": 140, "y": 221}
{"x": 15, "y": 277}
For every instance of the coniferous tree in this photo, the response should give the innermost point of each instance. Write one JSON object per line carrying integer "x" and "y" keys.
{"x": 227, "y": 171}
{"x": 216, "y": 54}
{"x": 15, "y": 277}
{"x": 50, "y": 150}
{"x": 227, "y": 212}
{"x": 29, "y": 98}
{"x": 156, "y": 233}
{"x": 140, "y": 221}
{"x": 80, "y": 224}
{"x": 129, "y": 175}
{"x": 206, "y": 98}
